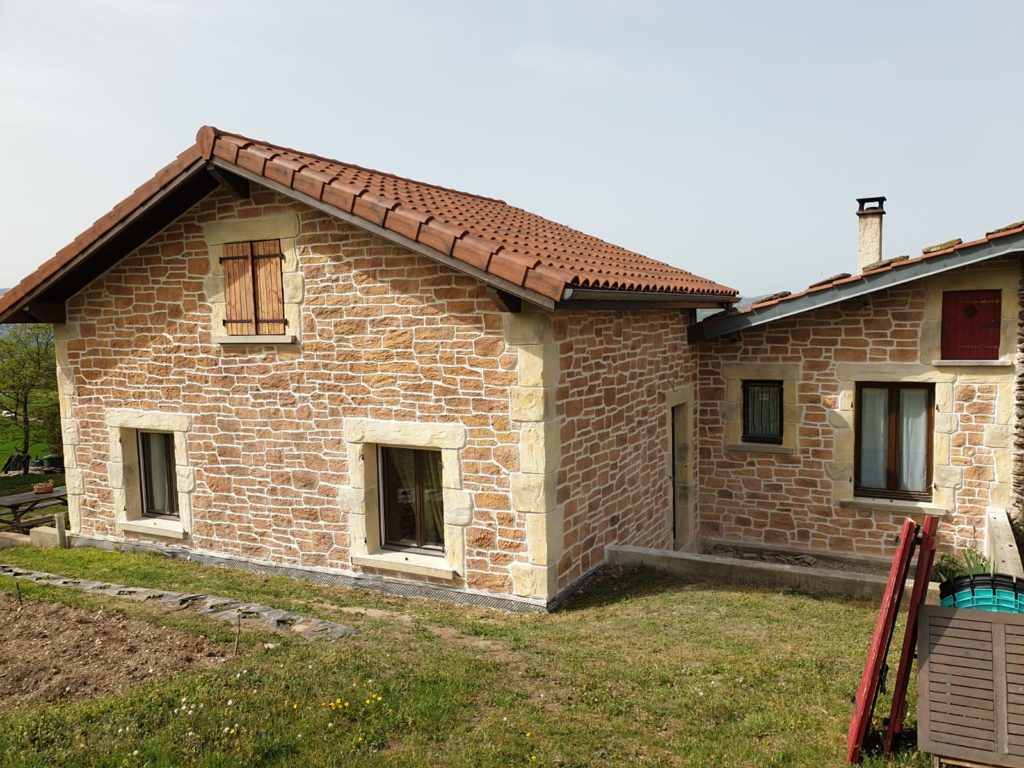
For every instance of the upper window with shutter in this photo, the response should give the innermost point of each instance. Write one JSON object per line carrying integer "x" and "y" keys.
{"x": 970, "y": 325}
{"x": 253, "y": 288}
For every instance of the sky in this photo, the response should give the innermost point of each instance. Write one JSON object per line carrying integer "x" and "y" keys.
{"x": 726, "y": 138}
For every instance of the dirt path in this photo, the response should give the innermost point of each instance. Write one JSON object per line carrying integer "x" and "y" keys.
{"x": 50, "y": 651}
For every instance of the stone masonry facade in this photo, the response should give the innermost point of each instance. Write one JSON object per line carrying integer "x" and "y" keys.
{"x": 800, "y": 495}
{"x": 551, "y": 426}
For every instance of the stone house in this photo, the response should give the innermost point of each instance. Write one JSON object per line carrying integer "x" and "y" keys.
{"x": 828, "y": 416}
{"x": 281, "y": 361}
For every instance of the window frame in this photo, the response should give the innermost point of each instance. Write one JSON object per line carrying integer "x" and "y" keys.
{"x": 418, "y": 506}
{"x": 254, "y": 295}
{"x": 894, "y": 434}
{"x": 170, "y": 472}
{"x": 945, "y": 342}
{"x": 747, "y": 405}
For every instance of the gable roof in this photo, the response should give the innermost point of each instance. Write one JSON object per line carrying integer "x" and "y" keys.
{"x": 933, "y": 260}
{"x": 509, "y": 248}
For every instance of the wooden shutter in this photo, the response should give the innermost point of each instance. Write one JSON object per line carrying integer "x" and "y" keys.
{"x": 240, "y": 312}
{"x": 970, "y": 325}
{"x": 267, "y": 287}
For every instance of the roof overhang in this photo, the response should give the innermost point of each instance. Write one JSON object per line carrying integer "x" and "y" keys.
{"x": 724, "y": 324}
{"x": 44, "y": 301}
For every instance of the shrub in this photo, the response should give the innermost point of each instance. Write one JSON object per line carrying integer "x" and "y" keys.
{"x": 948, "y": 566}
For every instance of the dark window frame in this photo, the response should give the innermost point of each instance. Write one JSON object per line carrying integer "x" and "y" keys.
{"x": 419, "y": 503}
{"x": 892, "y": 491}
{"x": 774, "y": 437}
{"x": 145, "y": 486}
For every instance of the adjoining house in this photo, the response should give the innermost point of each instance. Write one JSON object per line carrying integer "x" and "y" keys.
{"x": 285, "y": 361}
{"x": 280, "y": 359}
{"x": 826, "y": 417}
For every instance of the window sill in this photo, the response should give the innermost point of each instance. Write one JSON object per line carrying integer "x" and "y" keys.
{"x": 782, "y": 450}
{"x": 407, "y": 562}
{"x": 169, "y": 529}
{"x": 871, "y": 504}
{"x": 974, "y": 363}
{"x": 266, "y": 339}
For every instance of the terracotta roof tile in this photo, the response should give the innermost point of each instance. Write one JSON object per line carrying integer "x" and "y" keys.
{"x": 482, "y": 232}
{"x": 893, "y": 264}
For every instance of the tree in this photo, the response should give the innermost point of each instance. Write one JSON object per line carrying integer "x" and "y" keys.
{"x": 28, "y": 382}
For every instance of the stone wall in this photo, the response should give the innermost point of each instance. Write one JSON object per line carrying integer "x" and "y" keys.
{"x": 800, "y": 495}
{"x": 386, "y": 336}
{"x": 619, "y": 375}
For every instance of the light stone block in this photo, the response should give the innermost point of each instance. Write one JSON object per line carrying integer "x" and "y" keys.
{"x": 530, "y": 580}
{"x": 526, "y": 328}
{"x": 455, "y": 547}
{"x": 294, "y": 287}
{"x": 532, "y": 493}
{"x": 451, "y": 469}
{"x": 240, "y": 230}
{"x": 946, "y": 423}
{"x": 531, "y": 403}
{"x": 948, "y": 477}
{"x": 839, "y": 470}
{"x": 999, "y": 436}
{"x": 352, "y": 501}
{"x": 544, "y": 537}
{"x": 539, "y": 447}
{"x": 538, "y": 365}
{"x": 74, "y": 481}
{"x": 405, "y": 433}
{"x": 458, "y": 507}
{"x": 158, "y": 421}
{"x": 840, "y": 419}
{"x": 186, "y": 477}
{"x": 357, "y": 534}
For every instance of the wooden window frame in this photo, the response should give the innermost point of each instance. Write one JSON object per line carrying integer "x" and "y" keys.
{"x": 170, "y": 470}
{"x": 891, "y": 491}
{"x": 250, "y": 295}
{"x": 419, "y": 503}
{"x": 946, "y": 341}
{"x": 748, "y": 405}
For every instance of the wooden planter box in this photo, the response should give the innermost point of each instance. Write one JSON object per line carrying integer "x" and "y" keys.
{"x": 970, "y": 701}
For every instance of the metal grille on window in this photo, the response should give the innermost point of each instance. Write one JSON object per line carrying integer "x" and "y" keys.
{"x": 762, "y": 412}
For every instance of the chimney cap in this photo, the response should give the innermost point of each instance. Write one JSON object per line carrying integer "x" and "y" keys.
{"x": 870, "y": 206}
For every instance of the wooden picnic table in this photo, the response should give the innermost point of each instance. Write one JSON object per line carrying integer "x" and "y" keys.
{"x": 18, "y": 505}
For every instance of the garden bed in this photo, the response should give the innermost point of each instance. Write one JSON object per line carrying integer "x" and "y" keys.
{"x": 54, "y": 652}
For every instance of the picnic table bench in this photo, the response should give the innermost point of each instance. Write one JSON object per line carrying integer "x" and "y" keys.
{"x": 14, "y": 508}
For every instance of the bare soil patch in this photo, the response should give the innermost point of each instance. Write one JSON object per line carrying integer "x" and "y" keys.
{"x": 51, "y": 651}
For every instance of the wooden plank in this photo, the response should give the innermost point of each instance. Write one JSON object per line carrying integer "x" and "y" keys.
{"x": 975, "y": 653}
{"x": 973, "y": 741}
{"x": 977, "y": 625}
{"x": 922, "y": 576}
{"x": 268, "y": 286}
{"x": 983, "y": 666}
{"x": 966, "y": 634}
{"x": 239, "y": 310}
{"x": 867, "y": 690}
{"x": 966, "y": 697}
{"x": 982, "y": 729}
{"x": 964, "y": 710}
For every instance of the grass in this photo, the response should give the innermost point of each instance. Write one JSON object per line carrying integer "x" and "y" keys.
{"x": 12, "y": 484}
{"x": 639, "y": 670}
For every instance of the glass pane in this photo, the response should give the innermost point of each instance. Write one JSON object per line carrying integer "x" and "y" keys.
{"x": 157, "y": 459}
{"x": 399, "y": 495}
{"x": 762, "y": 411}
{"x": 433, "y": 501}
{"x": 874, "y": 436}
{"x": 913, "y": 439}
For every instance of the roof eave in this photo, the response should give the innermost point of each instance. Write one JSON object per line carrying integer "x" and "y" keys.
{"x": 611, "y": 298}
{"x": 717, "y": 326}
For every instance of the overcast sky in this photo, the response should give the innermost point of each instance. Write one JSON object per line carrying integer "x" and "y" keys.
{"x": 726, "y": 138}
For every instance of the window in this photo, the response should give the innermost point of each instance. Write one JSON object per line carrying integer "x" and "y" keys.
{"x": 412, "y": 508}
{"x": 156, "y": 464}
{"x": 970, "y": 325}
{"x": 894, "y": 441}
{"x": 253, "y": 288}
{"x": 762, "y": 412}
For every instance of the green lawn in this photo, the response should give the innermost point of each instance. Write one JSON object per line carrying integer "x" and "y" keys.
{"x": 640, "y": 670}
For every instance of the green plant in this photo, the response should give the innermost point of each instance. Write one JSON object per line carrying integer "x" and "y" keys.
{"x": 948, "y": 566}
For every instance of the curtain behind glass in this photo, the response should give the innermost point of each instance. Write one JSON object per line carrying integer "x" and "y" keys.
{"x": 874, "y": 436}
{"x": 913, "y": 439}
{"x": 156, "y": 459}
{"x": 433, "y": 500}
